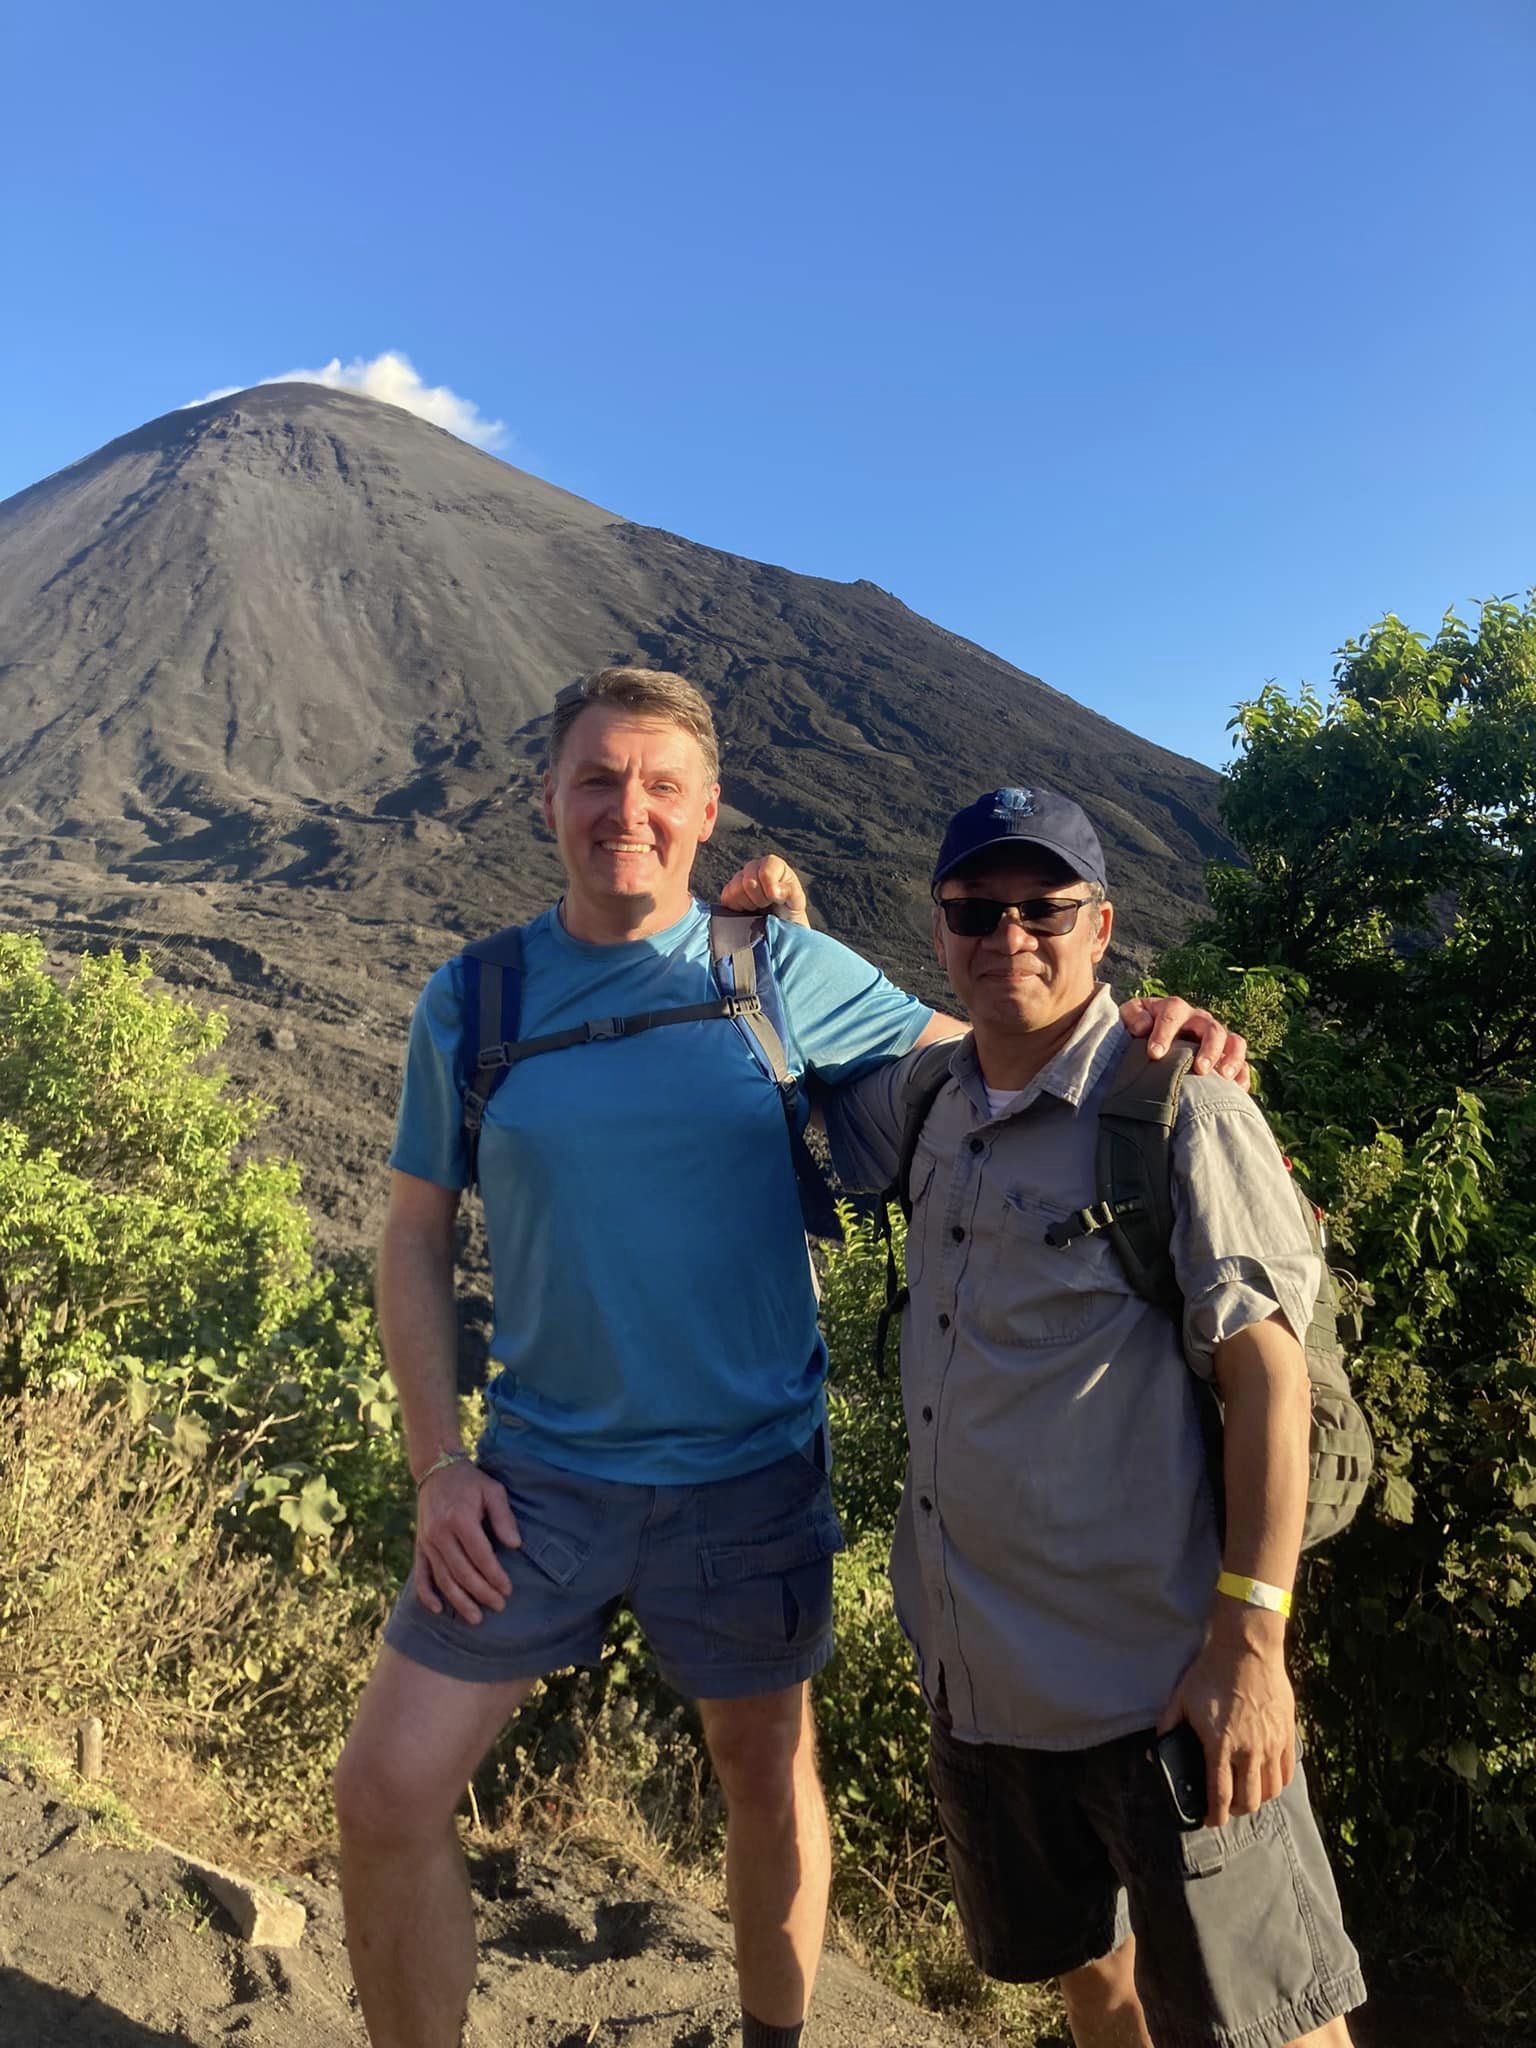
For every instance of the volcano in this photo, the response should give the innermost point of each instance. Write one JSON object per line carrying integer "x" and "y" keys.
{"x": 275, "y": 674}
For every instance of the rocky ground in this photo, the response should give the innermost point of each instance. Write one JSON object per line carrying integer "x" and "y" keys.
{"x": 107, "y": 1943}
{"x": 108, "y": 1946}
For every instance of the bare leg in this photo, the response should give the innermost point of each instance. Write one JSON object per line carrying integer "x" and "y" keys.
{"x": 1335, "y": 2035}
{"x": 416, "y": 1742}
{"x": 778, "y": 1854}
{"x": 1101, "y": 2002}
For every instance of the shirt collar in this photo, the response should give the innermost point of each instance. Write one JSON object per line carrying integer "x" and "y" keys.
{"x": 1095, "y": 1043}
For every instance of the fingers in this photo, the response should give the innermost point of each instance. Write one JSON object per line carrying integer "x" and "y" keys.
{"x": 1248, "y": 1773}
{"x": 503, "y": 1522}
{"x": 1218, "y": 1782}
{"x": 456, "y": 1561}
{"x": 426, "y": 1592}
{"x": 1233, "y": 1063}
{"x": 767, "y": 883}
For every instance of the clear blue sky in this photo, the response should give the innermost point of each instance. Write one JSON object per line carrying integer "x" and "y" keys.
{"x": 1156, "y": 347}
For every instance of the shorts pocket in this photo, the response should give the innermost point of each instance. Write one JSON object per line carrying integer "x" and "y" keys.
{"x": 1205, "y": 1851}
{"x": 763, "y": 1598}
{"x": 558, "y": 1557}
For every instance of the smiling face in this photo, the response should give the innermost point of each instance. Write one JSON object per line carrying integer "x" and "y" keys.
{"x": 629, "y": 803}
{"x": 1015, "y": 983}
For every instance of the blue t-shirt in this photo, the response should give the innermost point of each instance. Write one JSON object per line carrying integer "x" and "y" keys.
{"x": 654, "y": 1317}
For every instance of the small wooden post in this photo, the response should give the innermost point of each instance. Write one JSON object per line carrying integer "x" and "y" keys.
{"x": 88, "y": 1747}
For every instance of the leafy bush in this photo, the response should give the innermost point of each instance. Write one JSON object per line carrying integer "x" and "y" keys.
{"x": 140, "y": 1250}
{"x": 1380, "y": 949}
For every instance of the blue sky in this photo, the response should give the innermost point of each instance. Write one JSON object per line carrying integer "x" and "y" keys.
{"x": 1157, "y": 348}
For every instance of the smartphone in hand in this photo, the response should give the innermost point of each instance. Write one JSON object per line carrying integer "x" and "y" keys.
{"x": 1181, "y": 1760}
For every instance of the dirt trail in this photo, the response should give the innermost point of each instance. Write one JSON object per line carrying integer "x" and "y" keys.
{"x": 109, "y": 1947}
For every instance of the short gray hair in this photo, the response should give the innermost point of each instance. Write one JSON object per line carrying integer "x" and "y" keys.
{"x": 648, "y": 693}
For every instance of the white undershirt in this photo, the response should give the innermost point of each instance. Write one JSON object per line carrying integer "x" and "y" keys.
{"x": 1001, "y": 1100}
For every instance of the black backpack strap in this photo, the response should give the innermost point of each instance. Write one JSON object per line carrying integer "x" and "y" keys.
{"x": 930, "y": 1071}
{"x": 492, "y": 1006}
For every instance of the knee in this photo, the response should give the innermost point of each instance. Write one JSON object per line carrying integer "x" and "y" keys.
{"x": 763, "y": 1764}
{"x": 1101, "y": 1990}
{"x": 379, "y": 1802}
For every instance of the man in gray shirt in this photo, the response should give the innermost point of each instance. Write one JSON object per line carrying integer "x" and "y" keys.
{"x": 1057, "y": 1556}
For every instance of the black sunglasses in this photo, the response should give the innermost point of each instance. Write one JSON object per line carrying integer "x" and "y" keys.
{"x": 977, "y": 917}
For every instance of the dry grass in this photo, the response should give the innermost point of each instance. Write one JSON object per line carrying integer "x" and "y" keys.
{"x": 223, "y": 1686}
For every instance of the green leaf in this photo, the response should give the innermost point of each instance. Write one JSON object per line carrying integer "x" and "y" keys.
{"x": 1398, "y": 1498}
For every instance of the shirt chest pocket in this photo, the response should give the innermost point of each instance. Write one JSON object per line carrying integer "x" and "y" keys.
{"x": 1033, "y": 1293}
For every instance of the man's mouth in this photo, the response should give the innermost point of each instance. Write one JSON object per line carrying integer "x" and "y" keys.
{"x": 625, "y": 846}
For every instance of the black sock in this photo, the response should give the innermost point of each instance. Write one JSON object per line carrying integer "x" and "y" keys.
{"x": 754, "y": 2034}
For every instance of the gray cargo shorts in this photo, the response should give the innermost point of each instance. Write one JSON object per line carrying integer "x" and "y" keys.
{"x": 1056, "y": 1855}
{"x": 731, "y": 1580}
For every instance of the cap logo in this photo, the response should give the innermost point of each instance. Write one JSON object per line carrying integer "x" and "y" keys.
{"x": 1014, "y": 803}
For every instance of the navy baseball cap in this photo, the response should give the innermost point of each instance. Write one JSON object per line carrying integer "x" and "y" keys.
{"x": 1023, "y": 817}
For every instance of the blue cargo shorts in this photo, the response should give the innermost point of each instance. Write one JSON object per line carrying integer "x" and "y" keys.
{"x": 731, "y": 1581}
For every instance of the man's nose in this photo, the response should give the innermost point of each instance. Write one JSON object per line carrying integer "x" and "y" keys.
{"x": 1011, "y": 934}
{"x": 634, "y": 803}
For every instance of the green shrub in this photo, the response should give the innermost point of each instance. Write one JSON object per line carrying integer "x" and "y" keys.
{"x": 1380, "y": 948}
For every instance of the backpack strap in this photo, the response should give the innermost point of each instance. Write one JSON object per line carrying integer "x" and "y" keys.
{"x": 493, "y": 1004}
{"x": 1133, "y": 1169}
{"x": 743, "y": 968}
{"x": 930, "y": 1071}
{"x": 493, "y": 976}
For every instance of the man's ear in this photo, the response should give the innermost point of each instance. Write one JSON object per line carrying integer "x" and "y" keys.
{"x": 1106, "y": 926}
{"x": 936, "y": 928}
{"x": 548, "y": 786}
{"x": 711, "y": 812}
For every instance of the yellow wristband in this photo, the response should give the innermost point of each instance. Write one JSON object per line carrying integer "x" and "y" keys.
{"x": 1254, "y": 1593}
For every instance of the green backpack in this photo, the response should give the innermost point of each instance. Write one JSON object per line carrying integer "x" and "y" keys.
{"x": 1134, "y": 1203}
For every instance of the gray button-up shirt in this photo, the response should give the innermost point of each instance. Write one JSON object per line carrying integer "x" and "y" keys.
{"x": 1056, "y": 1552}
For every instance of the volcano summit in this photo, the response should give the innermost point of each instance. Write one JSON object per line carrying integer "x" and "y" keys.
{"x": 275, "y": 672}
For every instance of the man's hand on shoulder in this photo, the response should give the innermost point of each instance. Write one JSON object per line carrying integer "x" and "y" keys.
{"x": 768, "y": 883}
{"x": 1238, "y": 1699}
{"x": 455, "y": 1561}
{"x": 1162, "y": 1019}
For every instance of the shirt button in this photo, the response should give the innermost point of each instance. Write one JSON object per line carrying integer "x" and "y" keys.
{"x": 958, "y": 1234}
{"x": 927, "y": 1415}
{"x": 978, "y": 1144}
{"x": 943, "y": 1322}
{"x": 926, "y": 1505}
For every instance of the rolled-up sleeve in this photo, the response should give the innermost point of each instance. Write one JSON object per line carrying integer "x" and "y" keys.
{"x": 429, "y": 1129}
{"x": 1240, "y": 1245}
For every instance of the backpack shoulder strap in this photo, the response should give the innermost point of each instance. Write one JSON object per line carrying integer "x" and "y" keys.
{"x": 930, "y": 1070}
{"x": 743, "y": 968}
{"x": 920, "y": 1090}
{"x": 493, "y": 1005}
{"x": 738, "y": 951}
{"x": 1133, "y": 1169}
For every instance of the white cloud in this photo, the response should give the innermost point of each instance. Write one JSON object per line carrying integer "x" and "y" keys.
{"x": 394, "y": 378}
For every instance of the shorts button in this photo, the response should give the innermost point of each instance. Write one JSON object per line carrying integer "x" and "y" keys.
{"x": 943, "y": 1322}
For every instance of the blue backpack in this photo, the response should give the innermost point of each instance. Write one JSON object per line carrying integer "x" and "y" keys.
{"x": 749, "y": 999}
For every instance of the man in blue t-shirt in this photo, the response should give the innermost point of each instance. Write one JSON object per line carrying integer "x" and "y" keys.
{"x": 657, "y": 1431}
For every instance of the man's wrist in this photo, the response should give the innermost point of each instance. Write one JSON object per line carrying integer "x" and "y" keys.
{"x": 448, "y": 1454}
{"x": 1239, "y": 1627}
{"x": 1249, "y": 1592}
